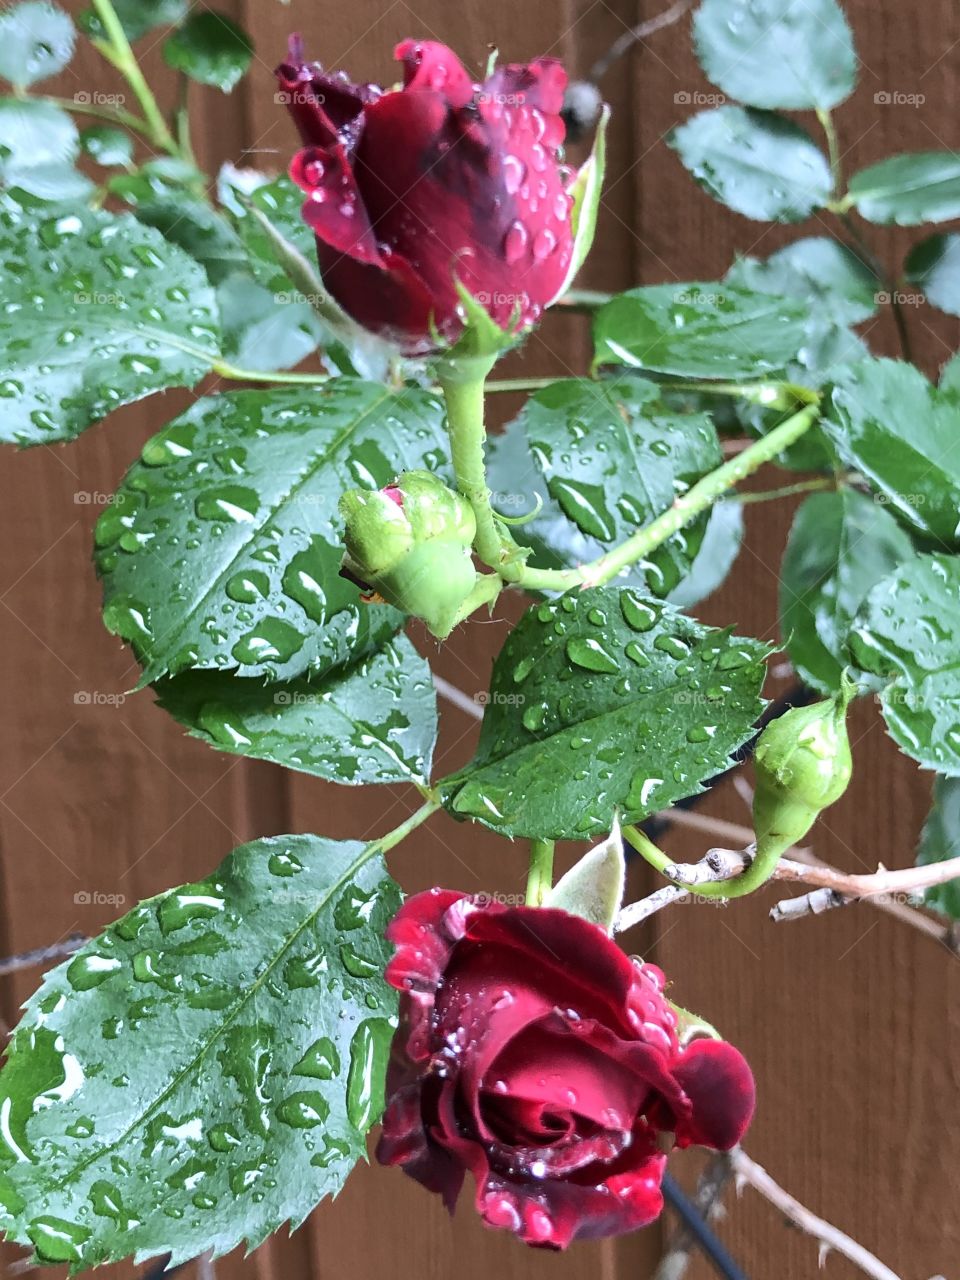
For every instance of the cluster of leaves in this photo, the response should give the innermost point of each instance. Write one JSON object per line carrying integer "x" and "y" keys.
{"x": 208, "y": 1068}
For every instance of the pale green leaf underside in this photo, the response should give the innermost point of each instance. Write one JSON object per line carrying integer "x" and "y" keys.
{"x": 755, "y": 162}
{"x": 793, "y": 54}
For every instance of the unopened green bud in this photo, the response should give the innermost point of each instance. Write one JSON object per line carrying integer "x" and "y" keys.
{"x": 410, "y": 543}
{"x": 803, "y": 765}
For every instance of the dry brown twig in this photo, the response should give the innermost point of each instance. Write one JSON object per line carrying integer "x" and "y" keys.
{"x": 747, "y": 1172}
{"x": 881, "y": 889}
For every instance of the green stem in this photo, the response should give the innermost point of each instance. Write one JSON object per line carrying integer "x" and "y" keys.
{"x": 870, "y": 259}
{"x": 520, "y": 384}
{"x": 763, "y": 393}
{"x": 788, "y": 490}
{"x": 394, "y": 837}
{"x": 110, "y": 115}
{"x": 756, "y": 874}
{"x": 697, "y": 499}
{"x": 660, "y": 861}
{"x": 226, "y": 370}
{"x": 117, "y": 50}
{"x": 540, "y": 875}
{"x": 833, "y": 147}
{"x": 465, "y": 426}
{"x": 182, "y": 119}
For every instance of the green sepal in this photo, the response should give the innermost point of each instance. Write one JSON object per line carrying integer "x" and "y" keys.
{"x": 411, "y": 544}
{"x": 585, "y": 189}
{"x": 593, "y": 887}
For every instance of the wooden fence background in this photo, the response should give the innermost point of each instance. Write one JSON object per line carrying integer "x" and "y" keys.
{"x": 851, "y": 1021}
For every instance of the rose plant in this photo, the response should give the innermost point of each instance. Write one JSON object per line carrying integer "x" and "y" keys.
{"x": 211, "y": 1065}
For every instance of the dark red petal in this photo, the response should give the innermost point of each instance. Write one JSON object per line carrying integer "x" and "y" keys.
{"x": 427, "y": 64}
{"x": 422, "y": 941}
{"x": 334, "y": 207}
{"x": 570, "y": 1073}
{"x": 390, "y": 301}
{"x": 539, "y": 86}
{"x": 584, "y": 962}
{"x": 553, "y": 1213}
{"x": 719, "y": 1084}
{"x": 404, "y": 1141}
{"x": 323, "y": 107}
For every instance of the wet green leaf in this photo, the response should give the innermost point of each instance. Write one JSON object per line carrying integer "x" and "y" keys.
{"x": 36, "y": 41}
{"x": 793, "y": 54}
{"x": 137, "y": 16}
{"x": 99, "y": 311}
{"x": 908, "y": 632}
{"x": 841, "y": 544}
{"x": 210, "y": 48}
{"x": 109, "y": 147}
{"x": 940, "y": 841}
{"x": 222, "y": 548}
{"x": 826, "y": 274}
{"x": 700, "y": 330}
{"x": 263, "y": 328}
{"x": 613, "y": 457}
{"x": 605, "y": 700}
{"x": 372, "y": 722}
{"x": 901, "y": 432}
{"x": 208, "y": 1067}
{"x": 909, "y": 189}
{"x": 38, "y": 146}
{"x": 755, "y": 162}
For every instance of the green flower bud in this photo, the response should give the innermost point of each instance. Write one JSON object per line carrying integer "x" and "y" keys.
{"x": 803, "y": 765}
{"x": 410, "y": 543}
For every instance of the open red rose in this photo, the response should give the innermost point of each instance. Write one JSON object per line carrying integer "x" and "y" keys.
{"x": 532, "y": 1052}
{"x": 442, "y": 180}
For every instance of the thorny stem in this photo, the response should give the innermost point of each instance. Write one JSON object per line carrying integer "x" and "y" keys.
{"x": 540, "y": 875}
{"x": 829, "y": 1237}
{"x": 697, "y": 499}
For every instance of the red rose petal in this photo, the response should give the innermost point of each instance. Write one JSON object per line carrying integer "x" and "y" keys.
{"x": 334, "y": 207}
{"x": 720, "y": 1086}
{"x": 422, "y": 943}
{"x": 559, "y": 942}
{"x": 430, "y": 65}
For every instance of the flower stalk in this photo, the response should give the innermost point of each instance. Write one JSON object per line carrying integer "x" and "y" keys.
{"x": 540, "y": 874}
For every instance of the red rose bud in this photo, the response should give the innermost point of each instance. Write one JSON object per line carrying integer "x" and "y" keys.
{"x": 443, "y": 180}
{"x": 534, "y": 1054}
